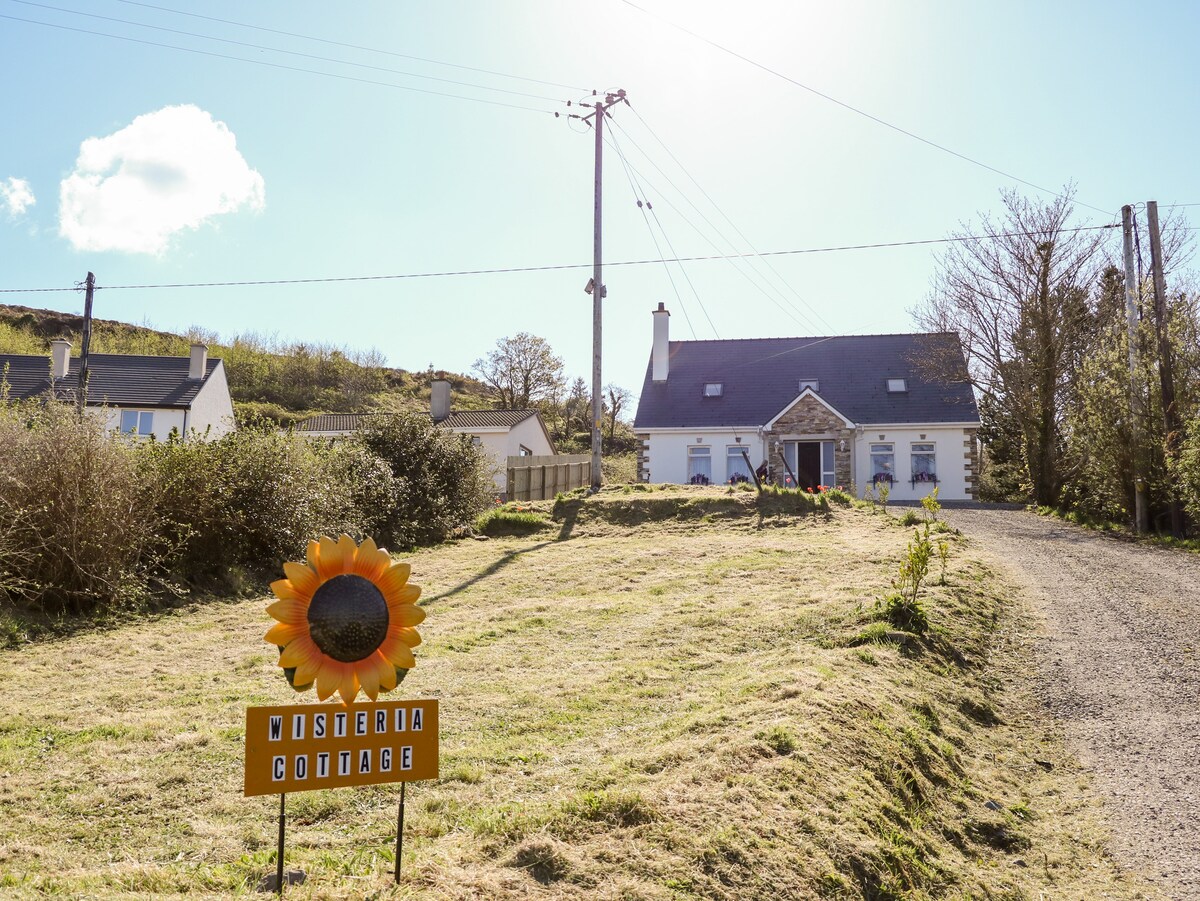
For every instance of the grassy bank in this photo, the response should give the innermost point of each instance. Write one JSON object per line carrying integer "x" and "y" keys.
{"x": 688, "y": 700}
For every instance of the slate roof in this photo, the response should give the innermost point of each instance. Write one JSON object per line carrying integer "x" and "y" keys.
{"x": 458, "y": 419}
{"x": 761, "y": 376}
{"x": 119, "y": 380}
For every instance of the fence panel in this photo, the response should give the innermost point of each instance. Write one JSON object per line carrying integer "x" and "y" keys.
{"x": 539, "y": 478}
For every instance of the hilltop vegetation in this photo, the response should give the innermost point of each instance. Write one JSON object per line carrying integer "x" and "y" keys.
{"x": 270, "y": 378}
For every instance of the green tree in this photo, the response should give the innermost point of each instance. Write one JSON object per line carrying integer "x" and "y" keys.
{"x": 524, "y": 372}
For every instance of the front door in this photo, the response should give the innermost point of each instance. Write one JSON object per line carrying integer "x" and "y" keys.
{"x": 804, "y": 458}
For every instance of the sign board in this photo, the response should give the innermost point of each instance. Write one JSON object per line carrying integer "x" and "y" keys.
{"x": 300, "y": 747}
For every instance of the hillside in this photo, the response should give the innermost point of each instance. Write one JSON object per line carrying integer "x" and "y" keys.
{"x": 661, "y": 695}
{"x": 267, "y": 377}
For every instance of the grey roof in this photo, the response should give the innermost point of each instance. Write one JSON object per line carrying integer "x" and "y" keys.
{"x": 458, "y": 419}
{"x": 761, "y": 377}
{"x": 119, "y": 380}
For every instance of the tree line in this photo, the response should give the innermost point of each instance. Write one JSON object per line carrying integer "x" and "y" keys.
{"x": 1039, "y": 304}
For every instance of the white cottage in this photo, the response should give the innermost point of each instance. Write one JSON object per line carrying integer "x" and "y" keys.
{"x": 841, "y": 410}
{"x": 136, "y": 395}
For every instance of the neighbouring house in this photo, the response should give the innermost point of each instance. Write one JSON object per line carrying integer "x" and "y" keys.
{"x": 136, "y": 395}
{"x": 501, "y": 433}
{"x": 853, "y": 410}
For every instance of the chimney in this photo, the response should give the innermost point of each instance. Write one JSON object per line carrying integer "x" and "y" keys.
{"x": 439, "y": 399}
{"x": 198, "y": 362}
{"x": 60, "y": 358}
{"x": 659, "y": 356}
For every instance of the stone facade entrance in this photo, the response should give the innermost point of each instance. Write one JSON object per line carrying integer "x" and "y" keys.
{"x": 810, "y": 420}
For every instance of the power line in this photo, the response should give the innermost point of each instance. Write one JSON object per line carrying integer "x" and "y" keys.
{"x": 309, "y": 37}
{"x": 324, "y": 59}
{"x": 259, "y": 62}
{"x": 854, "y": 109}
{"x": 813, "y": 310}
{"x": 564, "y": 266}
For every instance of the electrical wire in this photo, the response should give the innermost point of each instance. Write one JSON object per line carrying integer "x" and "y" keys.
{"x": 854, "y": 109}
{"x": 323, "y": 59}
{"x": 653, "y": 237}
{"x": 812, "y": 309}
{"x": 561, "y": 266}
{"x": 259, "y": 62}
{"x": 309, "y": 37}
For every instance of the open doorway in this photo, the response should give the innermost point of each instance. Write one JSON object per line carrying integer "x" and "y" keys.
{"x": 804, "y": 458}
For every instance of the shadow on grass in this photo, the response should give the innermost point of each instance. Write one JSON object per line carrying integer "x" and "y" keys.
{"x": 570, "y": 514}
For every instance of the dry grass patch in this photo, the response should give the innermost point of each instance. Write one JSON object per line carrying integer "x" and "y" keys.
{"x": 677, "y": 707}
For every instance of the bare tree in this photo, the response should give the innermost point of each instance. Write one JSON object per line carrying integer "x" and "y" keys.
{"x": 523, "y": 370}
{"x": 1018, "y": 297}
{"x": 617, "y": 400}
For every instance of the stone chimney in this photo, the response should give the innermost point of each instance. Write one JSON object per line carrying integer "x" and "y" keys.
{"x": 439, "y": 399}
{"x": 198, "y": 362}
{"x": 60, "y": 359}
{"x": 660, "y": 355}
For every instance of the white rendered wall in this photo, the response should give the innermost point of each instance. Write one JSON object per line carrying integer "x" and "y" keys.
{"x": 164, "y": 420}
{"x": 530, "y": 433}
{"x": 212, "y": 408}
{"x": 669, "y": 452}
{"x": 950, "y": 453}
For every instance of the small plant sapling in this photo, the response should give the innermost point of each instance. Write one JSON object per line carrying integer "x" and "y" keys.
{"x": 931, "y": 505}
{"x": 943, "y": 549}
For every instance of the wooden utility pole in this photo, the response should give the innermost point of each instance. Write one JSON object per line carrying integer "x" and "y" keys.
{"x": 1141, "y": 522}
{"x": 1166, "y": 372}
{"x": 596, "y": 285}
{"x": 85, "y": 343}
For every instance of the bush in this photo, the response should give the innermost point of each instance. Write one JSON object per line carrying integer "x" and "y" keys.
{"x": 77, "y": 522}
{"x": 506, "y": 521}
{"x": 441, "y": 480}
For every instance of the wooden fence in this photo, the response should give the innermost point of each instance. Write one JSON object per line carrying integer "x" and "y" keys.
{"x": 539, "y": 478}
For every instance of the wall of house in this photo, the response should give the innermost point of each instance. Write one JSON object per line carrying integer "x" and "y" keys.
{"x": 954, "y": 452}
{"x": 530, "y": 434}
{"x": 665, "y": 454}
{"x": 164, "y": 419}
{"x": 811, "y": 420}
{"x": 211, "y": 415}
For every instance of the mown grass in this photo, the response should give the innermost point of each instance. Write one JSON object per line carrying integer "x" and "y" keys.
{"x": 688, "y": 702}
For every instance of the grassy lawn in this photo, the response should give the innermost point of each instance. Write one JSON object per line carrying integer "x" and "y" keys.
{"x": 660, "y": 695}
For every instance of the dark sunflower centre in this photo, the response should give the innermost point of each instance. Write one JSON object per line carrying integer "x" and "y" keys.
{"x": 348, "y": 618}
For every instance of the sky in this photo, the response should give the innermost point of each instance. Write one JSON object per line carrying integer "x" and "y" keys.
{"x": 351, "y": 140}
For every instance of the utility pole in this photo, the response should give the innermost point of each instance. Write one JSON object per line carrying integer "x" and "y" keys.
{"x": 596, "y": 286}
{"x": 1141, "y": 520}
{"x": 85, "y": 343}
{"x": 1166, "y": 372}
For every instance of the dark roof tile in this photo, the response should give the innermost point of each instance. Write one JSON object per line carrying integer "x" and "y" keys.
{"x": 120, "y": 380}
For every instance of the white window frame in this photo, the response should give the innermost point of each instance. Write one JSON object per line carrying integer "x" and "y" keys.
{"x": 699, "y": 453}
{"x": 141, "y": 416}
{"x": 897, "y": 386}
{"x": 876, "y": 449}
{"x": 930, "y": 454}
{"x": 734, "y": 452}
{"x": 714, "y": 389}
{"x": 815, "y": 384}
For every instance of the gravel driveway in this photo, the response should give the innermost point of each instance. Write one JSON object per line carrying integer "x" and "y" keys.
{"x": 1119, "y": 666}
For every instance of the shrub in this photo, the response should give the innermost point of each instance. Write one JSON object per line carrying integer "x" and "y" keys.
{"x": 903, "y": 608}
{"x": 441, "y": 481}
{"x": 506, "y": 521}
{"x": 77, "y": 523}
{"x": 910, "y": 518}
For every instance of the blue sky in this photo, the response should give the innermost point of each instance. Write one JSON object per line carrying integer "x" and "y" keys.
{"x": 337, "y": 177}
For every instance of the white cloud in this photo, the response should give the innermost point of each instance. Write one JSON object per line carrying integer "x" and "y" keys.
{"x": 16, "y": 196}
{"x": 168, "y": 170}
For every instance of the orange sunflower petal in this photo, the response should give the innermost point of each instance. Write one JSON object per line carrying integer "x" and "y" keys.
{"x": 329, "y": 677}
{"x": 399, "y": 653}
{"x": 300, "y": 651}
{"x": 406, "y": 634}
{"x": 313, "y": 554}
{"x": 349, "y": 685}
{"x": 387, "y": 672}
{"x": 292, "y": 612}
{"x": 285, "y": 590}
{"x": 303, "y": 579}
{"x": 370, "y": 562}
{"x": 405, "y": 614}
{"x": 306, "y": 671}
{"x": 281, "y": 634}
{"x": 348, "y": 547}
{"x": 329, "y": 559}
{"x": 394, "y": 579}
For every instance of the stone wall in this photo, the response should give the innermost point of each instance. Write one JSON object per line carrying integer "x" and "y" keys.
{"x": 810, "y": 418}
{"x": 971, "y": 453}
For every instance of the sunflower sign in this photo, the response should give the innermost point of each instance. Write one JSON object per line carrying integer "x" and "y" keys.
{"x": 346, "y": 621}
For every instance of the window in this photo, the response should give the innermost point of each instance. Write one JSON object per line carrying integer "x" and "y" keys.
{"x": 828, "y": 466}
{"x": 736, "y": 467}
{"x": 897, "y": 386}
{"x": 476, "y": 441}
{"x": 924, "y": 463}
{"x": 815, "y": 384}
{"x": 524, "y": 451}
{"x": 883, "y": 463}
{"x": 713, "y": 389}
{"x": 700, "y": 465}
{"x": 135, "y": 422}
